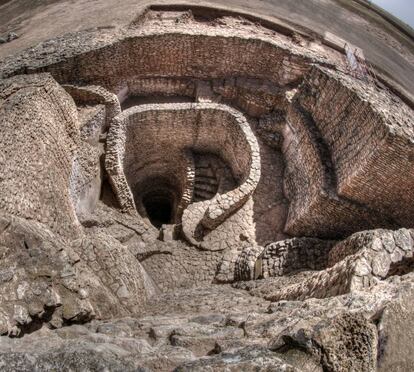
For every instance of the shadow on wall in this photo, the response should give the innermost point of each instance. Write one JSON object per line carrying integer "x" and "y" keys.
{"x": 270, "y": 205}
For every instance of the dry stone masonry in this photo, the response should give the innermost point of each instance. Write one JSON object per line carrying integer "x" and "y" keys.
{"x": 200, "y": 190}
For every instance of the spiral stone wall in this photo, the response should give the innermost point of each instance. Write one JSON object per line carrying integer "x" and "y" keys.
{"x": 150, "y": 141}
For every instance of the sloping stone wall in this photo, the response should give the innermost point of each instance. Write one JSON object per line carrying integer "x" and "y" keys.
{"x": 365, "y": 141}
{"x": 45, "y": 167}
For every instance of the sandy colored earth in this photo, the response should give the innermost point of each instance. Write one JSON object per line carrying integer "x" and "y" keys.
{"x": 384, "y": 45}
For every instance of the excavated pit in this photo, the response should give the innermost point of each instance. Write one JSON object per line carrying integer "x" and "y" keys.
{"x": 159, "y": 203}
{"x": 200, "y": 149}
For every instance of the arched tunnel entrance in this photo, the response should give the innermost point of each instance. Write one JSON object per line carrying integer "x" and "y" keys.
{"x": 157, "y": 198}
{"x": 159, "y": 207}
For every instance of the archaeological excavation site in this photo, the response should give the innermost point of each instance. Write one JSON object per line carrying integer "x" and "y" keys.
{"x": 206, "y": 186}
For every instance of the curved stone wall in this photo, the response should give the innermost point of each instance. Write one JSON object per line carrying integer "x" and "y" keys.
{"x": 356, "y": 264}
{"x": 45, "y": 167}
{"x": 96, "y": 95}
{"x": 371, "y": 149}
{"x": 150, "y": 141}
{"x": 166, "y": 56}
{"x": 205, "y": 53}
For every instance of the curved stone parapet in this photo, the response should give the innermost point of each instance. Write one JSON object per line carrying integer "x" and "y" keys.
{"x": 356, "y": 264}
{"x": 204, "y": 127}
{"x": 248, "y": 266}
{"x": 225, "y": 204}
{"x": 93, "y": 94}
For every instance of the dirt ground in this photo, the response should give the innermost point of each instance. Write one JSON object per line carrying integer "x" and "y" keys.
{"x": 387, "y": 47}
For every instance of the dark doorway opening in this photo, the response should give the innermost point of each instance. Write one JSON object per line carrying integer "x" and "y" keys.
{"x": 159, "y": 208}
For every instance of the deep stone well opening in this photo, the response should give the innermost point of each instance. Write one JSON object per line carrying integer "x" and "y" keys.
{"x": 159, "y": 207}
{"x": 157, "y": 197}
{"x": 182, "y": 129}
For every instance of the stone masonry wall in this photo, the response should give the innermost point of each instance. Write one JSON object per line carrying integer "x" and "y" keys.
{"x": 195, "y": 53}
{"x": 190, "y": 125}
{"x": 297, "y": 254}
{"x": 366, "y": 141}
{"x": 315, "y": 209}
{"x": 384, "y": 253}
{"x": 39, "y": 143}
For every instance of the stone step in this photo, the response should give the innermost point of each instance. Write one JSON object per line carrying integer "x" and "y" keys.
{"x": 205, "y": 176}
{"x": 203, "y": 195}
{"x": 207, "y": 172}
{"x": 206, "y": 187}
{"x": 206, "y": 180}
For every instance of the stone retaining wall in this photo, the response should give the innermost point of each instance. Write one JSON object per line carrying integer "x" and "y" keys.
{"x": 370, "y": 136}
{"x": 180, "y": 127}
{"x": 287, "y": 256}
{"x": 383, "y": 254}
{"x": 45, "y": 167}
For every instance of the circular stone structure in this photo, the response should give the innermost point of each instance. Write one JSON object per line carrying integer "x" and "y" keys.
{"x": 156, "y": 171}
{"x": 205, "y": 187}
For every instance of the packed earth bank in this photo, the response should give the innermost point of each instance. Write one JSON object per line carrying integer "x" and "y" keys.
{"x": 202, "y": 194}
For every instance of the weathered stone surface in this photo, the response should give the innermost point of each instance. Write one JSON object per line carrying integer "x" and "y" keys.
{"x": 249, "y": 359}
{"x": 202, "y": 190}
{"x": 395, "y": 332}
{"x": 344, "y": 343}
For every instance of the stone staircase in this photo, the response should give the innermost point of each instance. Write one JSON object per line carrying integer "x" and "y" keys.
{"x": 206, "y": 183}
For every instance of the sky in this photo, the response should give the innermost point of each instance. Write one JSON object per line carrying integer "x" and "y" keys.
{"x": 403, "y": 9}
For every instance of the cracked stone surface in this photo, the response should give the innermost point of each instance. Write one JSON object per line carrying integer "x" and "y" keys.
{"x": 204, "y": 189}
